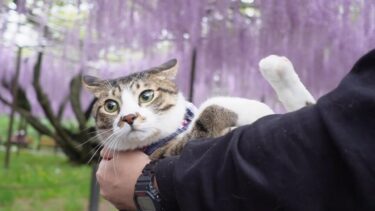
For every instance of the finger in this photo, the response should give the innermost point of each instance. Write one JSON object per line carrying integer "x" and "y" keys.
{"x": 106, "y": 154}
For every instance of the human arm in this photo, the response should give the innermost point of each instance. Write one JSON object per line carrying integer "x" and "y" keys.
{"x": 318, "y": 158}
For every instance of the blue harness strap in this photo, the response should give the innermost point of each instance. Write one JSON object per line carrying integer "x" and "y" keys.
{"x": 189, "y": 115}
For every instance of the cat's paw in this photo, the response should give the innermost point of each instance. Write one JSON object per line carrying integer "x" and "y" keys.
{"x": 227, "y": 130}
{"x": 172, "y": 148}
{"x": 279, "y": 72}
{"x": 276, "y": 68}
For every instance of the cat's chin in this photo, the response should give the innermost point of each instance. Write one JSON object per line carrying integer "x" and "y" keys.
{"x": 135, "y": 139}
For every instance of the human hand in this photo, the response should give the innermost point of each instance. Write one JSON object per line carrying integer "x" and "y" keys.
{"x": 117, "y": 174}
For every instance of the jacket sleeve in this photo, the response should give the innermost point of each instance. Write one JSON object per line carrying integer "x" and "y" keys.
{"x": 321, "y": 157}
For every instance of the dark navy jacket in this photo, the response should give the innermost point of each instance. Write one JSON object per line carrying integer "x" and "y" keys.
{"x": 321, "y": 157}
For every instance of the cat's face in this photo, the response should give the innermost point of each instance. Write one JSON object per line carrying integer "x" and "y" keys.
{"x": 137, "y": 110}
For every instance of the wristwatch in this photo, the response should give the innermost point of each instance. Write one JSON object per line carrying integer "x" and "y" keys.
{"x": 146, "y": 196}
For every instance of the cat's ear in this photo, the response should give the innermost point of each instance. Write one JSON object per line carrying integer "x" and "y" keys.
{"x": 92, "y": 84}
{"x": 168, "y": 70}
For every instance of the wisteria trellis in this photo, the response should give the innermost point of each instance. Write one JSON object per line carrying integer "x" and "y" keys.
{"x": 322, "y": 38}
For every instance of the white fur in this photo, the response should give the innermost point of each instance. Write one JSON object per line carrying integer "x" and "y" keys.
{"x": 279, "y": 72}
{"x": 247, "y": 110}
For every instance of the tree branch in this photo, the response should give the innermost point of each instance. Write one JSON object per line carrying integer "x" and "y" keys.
{"x": 22, "y": 100}
{"x": 46, "y": 106}
{"x": 75, "y": 93}
{"x": 62, "y": 106}
{"x": 32, "y": 120}
{"x": 89, "y": 108}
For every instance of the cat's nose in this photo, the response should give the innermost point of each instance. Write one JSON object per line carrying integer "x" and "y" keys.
{"x": 129, "y": 118}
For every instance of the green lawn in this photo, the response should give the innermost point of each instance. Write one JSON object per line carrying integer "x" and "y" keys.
{"x": 40, "y": 181}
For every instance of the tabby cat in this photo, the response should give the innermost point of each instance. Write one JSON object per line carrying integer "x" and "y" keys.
{"x": 145, "y": 110}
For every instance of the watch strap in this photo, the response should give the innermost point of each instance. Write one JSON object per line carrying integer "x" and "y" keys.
{"x": 145, "y": 186}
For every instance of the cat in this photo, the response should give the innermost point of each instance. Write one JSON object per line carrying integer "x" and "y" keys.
{"x": 145, "y": 110}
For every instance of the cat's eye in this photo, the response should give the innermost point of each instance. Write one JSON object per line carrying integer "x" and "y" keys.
{"x": 111, "y": 106}
{"x": 146, "y": 96}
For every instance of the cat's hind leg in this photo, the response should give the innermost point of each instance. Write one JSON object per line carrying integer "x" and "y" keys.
{"x": 291, "y": 92}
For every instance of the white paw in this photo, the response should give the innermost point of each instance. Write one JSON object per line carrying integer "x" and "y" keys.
{"x": 276, "y": 68}
{"x": 279, "y": 72}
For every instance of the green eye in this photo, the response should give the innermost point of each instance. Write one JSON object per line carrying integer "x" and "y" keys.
{"x": 111, "y": 106}
{"x": 146, "y": 96}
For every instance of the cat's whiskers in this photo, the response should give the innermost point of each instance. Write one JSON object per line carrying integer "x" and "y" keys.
{"x": 108, "y": 142}
{"x": 93, "y": 155}
{"x": 108, "y": 84}
{"x": 84, "y": 129}
{"x": 96, "y": 149}
{"x": 109, "y": 137}
{"x": 94, "y": 137}
{"x": 105, "y": 163}
{"x": 96, "y": 131}
{"x": 115, "y": 155}
{"x": 111, "y": 146}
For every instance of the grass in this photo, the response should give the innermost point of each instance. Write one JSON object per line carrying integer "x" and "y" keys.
{"x": 38, "y": 181}
{"x": 42, "y": 180}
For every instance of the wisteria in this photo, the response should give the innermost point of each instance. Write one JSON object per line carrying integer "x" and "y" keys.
{"x": 117, "y": 37}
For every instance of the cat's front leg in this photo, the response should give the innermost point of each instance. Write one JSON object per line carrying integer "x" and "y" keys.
{"x": 213, "y": 121}
{"x": 227, "y": 130}
{"x": 291, "y": 92}
{"x": 173, "y": 148}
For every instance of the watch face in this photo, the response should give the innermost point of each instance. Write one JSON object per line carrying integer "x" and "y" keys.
{"x": 145, "y": 203}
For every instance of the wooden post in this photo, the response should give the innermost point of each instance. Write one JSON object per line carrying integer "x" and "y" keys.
{"x": 14, "y": 84}
{"x": 192, "y": 74}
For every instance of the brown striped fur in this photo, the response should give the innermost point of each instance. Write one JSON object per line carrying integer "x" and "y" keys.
{"x": 159, "y": 79}
{"x": 214, "y": 121}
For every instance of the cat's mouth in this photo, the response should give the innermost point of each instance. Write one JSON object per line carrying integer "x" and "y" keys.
{"x": 130, "y": 128}
{"x": 134, "y": 129}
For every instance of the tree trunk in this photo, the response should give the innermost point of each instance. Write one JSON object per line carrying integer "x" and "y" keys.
{"x": 14, "y": 86}
{"x": 80, "y": 147}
